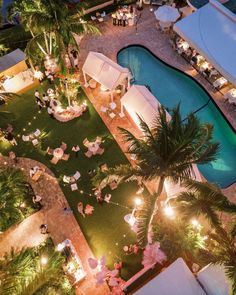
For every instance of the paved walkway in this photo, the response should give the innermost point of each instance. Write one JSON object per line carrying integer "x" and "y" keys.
{"x": 115, "y": 38}
{"x": 61, "y": 226}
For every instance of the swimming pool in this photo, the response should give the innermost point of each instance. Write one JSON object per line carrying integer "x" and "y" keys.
{"x": 170, "y": 87}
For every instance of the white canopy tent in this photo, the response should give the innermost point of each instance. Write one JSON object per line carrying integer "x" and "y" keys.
{"x": 139, "y": 100}
{"x": 177, "y": 279}
{"x": 211, "y": 30}
{"x": 105, "y": 71}
{"x": 213, "y": 279}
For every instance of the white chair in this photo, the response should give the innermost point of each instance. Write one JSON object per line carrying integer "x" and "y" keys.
{"x": 37, "y": 132}
{"x": 112, "y": 115}
{"x": 103, "y": 14}
{"x": 100, "y": 19}
{"x": 74, "y": 187}
{"x": 25, "y": 138}
{"x": 77, "y": 175}
{"x": 93, "y": 18}
{"x": 66, "y": 179}
{"x": 103, "y": 109}
{"x": 35, "y": 141}
{"x": 112, "y": 105}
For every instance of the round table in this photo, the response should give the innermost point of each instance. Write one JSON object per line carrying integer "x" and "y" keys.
{"x": 58, "y": 153}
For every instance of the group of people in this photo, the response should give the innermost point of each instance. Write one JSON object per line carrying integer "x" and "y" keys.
{"x": 47, "y": 100}
{"x": 88, "y": 210}
{"x": 120, "y": 17}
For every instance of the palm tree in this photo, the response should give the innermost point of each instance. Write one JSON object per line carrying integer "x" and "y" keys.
{"x": 167, "y": 150}
{"x": 15, "y": 197}
{"x": 23, "y": 273}
{"x": 52, "y": 25}
{"x": 203, "y": 199}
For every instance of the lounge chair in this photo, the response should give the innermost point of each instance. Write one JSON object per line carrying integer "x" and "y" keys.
{"x": 54, "y": 160}
{"x": 65, "y": 157}
{"x": 88, "y": 154}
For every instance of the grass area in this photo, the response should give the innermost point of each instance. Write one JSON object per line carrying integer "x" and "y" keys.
{"x": 106, "y": 231}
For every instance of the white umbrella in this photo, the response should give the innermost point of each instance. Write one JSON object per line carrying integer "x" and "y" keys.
{"x": 167, "y": 14}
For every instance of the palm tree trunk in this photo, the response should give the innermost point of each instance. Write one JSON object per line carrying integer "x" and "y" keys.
{"x": 155, "y": 209}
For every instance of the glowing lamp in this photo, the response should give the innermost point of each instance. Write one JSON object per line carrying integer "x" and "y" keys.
{"x": 44, "y": 260}
{"x": 169, "y": 212}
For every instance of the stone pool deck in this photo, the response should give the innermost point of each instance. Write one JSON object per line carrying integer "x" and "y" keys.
{"x": 115, "y": 38}
{"x": 61, "y": 226}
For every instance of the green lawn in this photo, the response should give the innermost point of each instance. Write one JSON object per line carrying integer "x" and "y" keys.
{"x": 106, "y": 230}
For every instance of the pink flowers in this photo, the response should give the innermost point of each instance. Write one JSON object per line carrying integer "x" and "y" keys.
{"x": 152, "y": 255}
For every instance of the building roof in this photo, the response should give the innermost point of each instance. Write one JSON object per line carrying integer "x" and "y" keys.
{"x": 11, "y": 59}
{"x": 211, "y": 30}
{"x": 176, "y": 279}
{"x": 104, "y": 70}
{"x": 139, "y": 100}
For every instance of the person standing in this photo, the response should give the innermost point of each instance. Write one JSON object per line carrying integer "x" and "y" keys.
{"x": 76, "y": 149}
{"x": 38, "y": 99}
{"x": 46, "y": 100}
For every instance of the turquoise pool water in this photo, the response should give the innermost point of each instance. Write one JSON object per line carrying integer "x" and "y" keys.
{"x": 170, "y": 87}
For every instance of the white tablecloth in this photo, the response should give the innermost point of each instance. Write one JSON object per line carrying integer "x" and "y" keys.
{"x": 231, "y": 95}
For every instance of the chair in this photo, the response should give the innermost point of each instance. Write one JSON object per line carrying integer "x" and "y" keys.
{"x": 35, "y": 141}
{"x": 113, "y": 185}
{"x": 63, "y": 146}
{"x": 37, "y": 132}
{"x": 74, "y": 187}
{"x": 49, "y": 151}
{"x": 37, "y": 175}
{"x": 65, "y": 157}
{"x": 100, "y": 151}
{"x": 98, "y": 140}
{"x": 103, "y": 14}
{"x": 112, "y": 115}
{"x": 88, "y": 154}
{"x": 103, "y": 167}
{"x": 112, "y": 105}
{"x": 77, "y": 175}
{"x": 86, "y": 142}
{"x": 93, "y": 18}
{"x": 66, "y": 179}
{"x": 100, "y": 19}
{"x": 103, "y": 109}
{"x": 25, "y": 138}
{"x": 54, "y": 160}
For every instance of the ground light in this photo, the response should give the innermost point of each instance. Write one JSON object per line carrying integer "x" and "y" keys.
{"x": 44, "y": 260}
{"x": 169, "y": 212}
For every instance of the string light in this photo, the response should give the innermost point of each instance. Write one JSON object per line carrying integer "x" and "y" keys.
{"x": 169, "y": 212}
